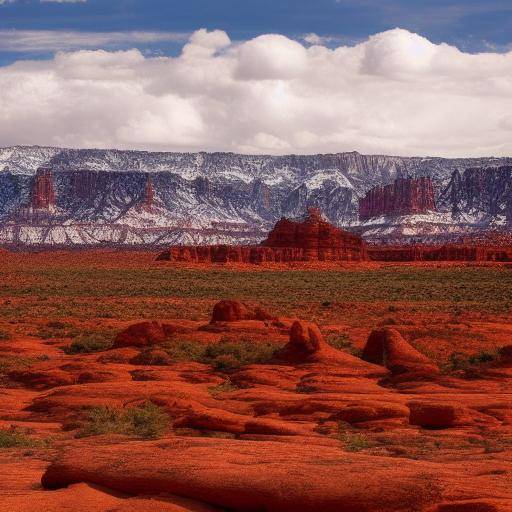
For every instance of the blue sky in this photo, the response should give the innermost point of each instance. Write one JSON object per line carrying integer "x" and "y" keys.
{"x": 471, "y": 25}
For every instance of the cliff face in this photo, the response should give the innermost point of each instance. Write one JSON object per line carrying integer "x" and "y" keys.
{"x": 403, "y": 197}
{"x": 448, "y": 252}
{"x": 43, "y": 191}
{"x": 313, "y": 239}
{"x": 484, "y": 189}
{"x": 141, "y": 198}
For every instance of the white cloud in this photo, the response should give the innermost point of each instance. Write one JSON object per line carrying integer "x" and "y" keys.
{"x": 42, "y": 41}
{"x": 395, "y": 93}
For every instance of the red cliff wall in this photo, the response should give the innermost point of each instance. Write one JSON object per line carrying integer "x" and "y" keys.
{"x": 43, "y": 192}
{"x": 403, "y": 197}
{"x": 447, "y": 252}
{"x": 148, "y": 197}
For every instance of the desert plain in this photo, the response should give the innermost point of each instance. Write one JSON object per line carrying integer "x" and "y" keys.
{"x": 129, "y": 384}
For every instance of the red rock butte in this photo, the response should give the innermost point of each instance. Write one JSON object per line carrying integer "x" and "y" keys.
{"x": 405, "y": 196}
{"x": 43, "y": 192}
{"x": 312, "y": 239}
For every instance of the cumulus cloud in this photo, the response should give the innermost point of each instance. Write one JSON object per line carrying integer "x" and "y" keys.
{"x": 395, "y": 93}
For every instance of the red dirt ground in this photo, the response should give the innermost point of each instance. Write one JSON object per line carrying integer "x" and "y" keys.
{"x": 317, "y": 425}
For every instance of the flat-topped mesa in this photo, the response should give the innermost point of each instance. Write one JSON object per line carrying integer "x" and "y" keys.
{"x": 43, "y": 192}
{"x": 312, "y": 239}
{"x": 406, "y": 196}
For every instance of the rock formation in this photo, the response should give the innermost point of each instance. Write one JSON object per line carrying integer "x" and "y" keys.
{"x": 403, "y": 197}
{"x": 233, "y": 311}
{"x": 387, "y": 347}
{"x": 312, "y": 239}
{"x": 143, "y": 334}
{"x": 43, "y": 192}
{"x": 448, "y": 252}
{"x": 148, "y": 197}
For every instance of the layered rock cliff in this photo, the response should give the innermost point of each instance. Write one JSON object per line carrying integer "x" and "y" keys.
{"x": 141, "y": 198}
{"x": 403, "y": 197}
{"x": 43, "y": 192}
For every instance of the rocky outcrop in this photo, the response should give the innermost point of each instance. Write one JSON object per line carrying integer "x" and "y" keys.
{"x": 447, "y": 252}
{"x": 387, "y": 347}
{"x": 233, "y": 311}
{"x": 144, "y": 334}
{"x": 403, "y": 197}
{"x": 318, "y": 240}
{"x": 148, "y": 198}
{"x": 249, "y": 476}
{"x": 312, "y": 239}
{"x": 43, "y": 192}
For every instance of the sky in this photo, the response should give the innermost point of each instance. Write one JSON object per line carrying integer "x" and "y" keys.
{"x": 405, "y": 77}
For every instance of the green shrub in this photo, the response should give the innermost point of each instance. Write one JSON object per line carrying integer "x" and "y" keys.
{"x": 9, "y": 363}
{"x": 458, "y": 361}
{"x": 4, "y": 335}
{"x": 483, "y": 357}
{"x": 147, "y": 421}
{"x": 185, "y": 350}
{"x": 343, "y": 342}
{"x": 89, "y": 343}
{"x": 228, "y": 355}
{"x": 13, "y": 439}
{"x": 224, "y": 387}
{"x": 352, "y": 441}
{"x": 56, "y": 325}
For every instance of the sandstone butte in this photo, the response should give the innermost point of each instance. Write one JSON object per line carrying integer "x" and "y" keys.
{"x": 311, "y": 428}
{"x": 310, "y": 240}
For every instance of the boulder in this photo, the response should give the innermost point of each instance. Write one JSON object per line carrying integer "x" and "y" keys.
{"x": 388, "y": 348}
{"x": 233, "y": 311}
{"x": 431, "y": 415}
{"x": 141, "y": 334}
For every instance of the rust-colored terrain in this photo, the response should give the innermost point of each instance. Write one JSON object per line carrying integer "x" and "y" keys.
{"x": 130, "y": 384}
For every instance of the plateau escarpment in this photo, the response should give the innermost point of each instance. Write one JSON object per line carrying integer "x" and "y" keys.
{"x": 403, "y": 197}
{"x": 97, "y": 197}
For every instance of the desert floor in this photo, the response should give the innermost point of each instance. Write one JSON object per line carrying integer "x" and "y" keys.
{"x": 255, "y": 412}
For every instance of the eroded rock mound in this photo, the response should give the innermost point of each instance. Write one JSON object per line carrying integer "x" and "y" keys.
{"x": 144, "y": 334}
{"x": 307, "y": 346}
{"x": 233, "y": 311}
{"x": 388, "y": 348}
{"x": 432, "y": 415}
